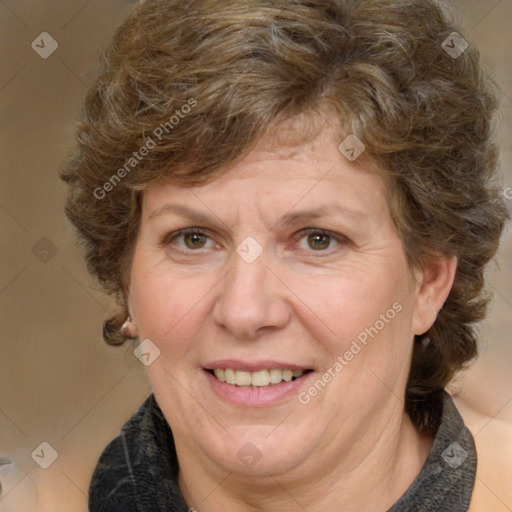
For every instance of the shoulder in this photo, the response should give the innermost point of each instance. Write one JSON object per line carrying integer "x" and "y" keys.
{"x": 138, "y": 469}
{"x": 112, "y": 486}
{"x": 493, "y": 440}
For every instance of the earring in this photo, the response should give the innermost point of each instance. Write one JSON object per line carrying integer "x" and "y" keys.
{"x": 129, "y": 330}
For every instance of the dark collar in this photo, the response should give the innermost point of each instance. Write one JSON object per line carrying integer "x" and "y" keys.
{"x": 447, "y": 478}
{"x": 138, "y": 470}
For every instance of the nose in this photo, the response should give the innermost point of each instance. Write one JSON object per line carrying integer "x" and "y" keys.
{"x": 252, "y": 300}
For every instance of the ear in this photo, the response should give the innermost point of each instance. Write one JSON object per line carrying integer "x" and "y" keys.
{"x": 129, "y": 328}
{"x": 435, "y": 281}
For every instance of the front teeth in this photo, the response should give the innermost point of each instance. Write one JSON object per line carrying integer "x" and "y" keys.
{"x": 260, "y": 378}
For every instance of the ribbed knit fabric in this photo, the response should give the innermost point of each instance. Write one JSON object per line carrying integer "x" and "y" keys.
{"x": 137, "y": 472}
{"x": 447, "y": 479}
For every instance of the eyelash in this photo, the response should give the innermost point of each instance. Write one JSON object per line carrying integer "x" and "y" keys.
{"x": 342, "y": 240}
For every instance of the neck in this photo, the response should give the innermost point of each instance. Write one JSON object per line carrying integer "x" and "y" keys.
{"x": 370, "y": 476}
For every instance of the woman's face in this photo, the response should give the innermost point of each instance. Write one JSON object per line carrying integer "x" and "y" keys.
{"x": 296, "y": 266}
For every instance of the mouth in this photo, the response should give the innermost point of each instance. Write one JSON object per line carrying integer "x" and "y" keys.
{"x": 256, "y": 384}
{"x": 256, "y": 379}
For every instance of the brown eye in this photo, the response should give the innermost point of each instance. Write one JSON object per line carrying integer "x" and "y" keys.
{"x": 319, "y": 241}
{"x": 194, "y": 240}
{"x": 189, "y": 240}
{"x": 322, "y": 242}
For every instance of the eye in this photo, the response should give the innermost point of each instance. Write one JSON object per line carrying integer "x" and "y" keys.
{"x": 320, "y": 240}
{"x": 193, "y": 239}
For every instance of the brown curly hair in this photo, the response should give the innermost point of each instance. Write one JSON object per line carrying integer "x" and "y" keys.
{"x": 186, "y": 89}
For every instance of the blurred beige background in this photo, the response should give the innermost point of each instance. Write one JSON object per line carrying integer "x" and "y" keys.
{"x": 59, "y": 383}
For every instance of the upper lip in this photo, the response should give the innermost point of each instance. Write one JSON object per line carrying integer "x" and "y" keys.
{"x": 253, "y": 366}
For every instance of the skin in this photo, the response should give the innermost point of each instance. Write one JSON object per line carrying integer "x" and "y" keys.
{"x": 201, "y": 302}
{"x": 492, "y": 433}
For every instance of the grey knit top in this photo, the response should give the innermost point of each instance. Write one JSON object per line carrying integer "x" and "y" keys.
{"x": 137, "y": 472}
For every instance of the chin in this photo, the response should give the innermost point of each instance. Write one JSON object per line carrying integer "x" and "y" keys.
{"x": 256, "y": 450}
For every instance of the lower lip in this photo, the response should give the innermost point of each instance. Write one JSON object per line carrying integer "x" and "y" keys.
{"x": 264, "y": 396}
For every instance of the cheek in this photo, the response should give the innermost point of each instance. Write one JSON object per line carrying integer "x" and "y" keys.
{"x": 364, "y": 324}
{"x": 357, "y": 304}
{"x": 363, "y": 327}
{"x": 166, "y": 307}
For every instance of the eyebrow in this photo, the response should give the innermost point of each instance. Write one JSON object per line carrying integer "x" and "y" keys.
{"x": 289, "y": 219}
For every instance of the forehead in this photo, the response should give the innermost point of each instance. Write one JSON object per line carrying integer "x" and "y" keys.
{"x": 277, "y": 175}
